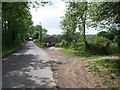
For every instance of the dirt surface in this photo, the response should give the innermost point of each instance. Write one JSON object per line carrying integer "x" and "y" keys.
{"x": 71, "y": 71}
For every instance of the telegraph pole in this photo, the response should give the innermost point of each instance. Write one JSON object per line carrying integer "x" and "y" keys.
{"x": 40, "y": 35}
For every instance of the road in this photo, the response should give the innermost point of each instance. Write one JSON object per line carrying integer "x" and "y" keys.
{"x": 27, "y": 68}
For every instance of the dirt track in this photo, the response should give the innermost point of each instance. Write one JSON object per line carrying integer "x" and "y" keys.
{"x": 72, "y": 72}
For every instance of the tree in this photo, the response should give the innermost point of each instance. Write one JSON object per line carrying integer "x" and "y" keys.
{"x": 35, "y": 35}
{"x": 44, "y": 32}
{"x": 75, "y": 17}
{"x": 107, "y": 15}
{"x": 15, "y": 24}
{"x": 37, "y": 32}
{"x": 67, "y": 26}
{"x": 82, "y": 8}
{"x": 107, "y": 34}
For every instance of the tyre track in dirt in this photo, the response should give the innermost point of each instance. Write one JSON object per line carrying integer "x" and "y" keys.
{"x": 72, "y": 71}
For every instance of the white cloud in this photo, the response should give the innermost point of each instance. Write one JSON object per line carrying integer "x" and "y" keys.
{"x": 49, "y": 17}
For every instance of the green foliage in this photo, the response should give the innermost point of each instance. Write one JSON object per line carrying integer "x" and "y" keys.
{"x": 75, "y": 18}
{"x": 103, "y": 14}
{"x": 37, "y": 32}
{"x": 109, "y": 69}
{"x": 58, "y": 45}
{"x": 109, "y": 35}
{"x": 11, "y": 50}
{"x": 115, "y": 48}
{"x": 38, "y": 43}
{"x": 70, "y": 51}
{"x": 111, "y": 64}
{"x": 99, "y": 45}
{"x": 59, "y": 38}
{"x": 80, "y": 46}
{"x": 15, "y": 24}
{"x": 35, "y": 35}
{"x": 81, "y": 53}
{"x": 106, "y": 16}
{"x": 63, "y": 43}
{"x": 80, "y": 49}
{"x": 95, "y": 46}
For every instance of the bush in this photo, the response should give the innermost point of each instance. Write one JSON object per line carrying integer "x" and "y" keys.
{"x": 40, "y": 44}
{"x": 79, "y": 46}
{"x": 63, "y": 43}
{"x": 99, "y": 45}
{"x": 114, "y": 48}
{"x": 58, "y": 45}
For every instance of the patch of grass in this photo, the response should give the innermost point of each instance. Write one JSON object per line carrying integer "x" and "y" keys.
{"x": 95, "y": 68}
{"x": 37, "y": 42}
{"x": 72, "y": 51}
{"x": 113, "y": 65}
{"x": 109, "y": 69}
{"x": 69, "y": 51}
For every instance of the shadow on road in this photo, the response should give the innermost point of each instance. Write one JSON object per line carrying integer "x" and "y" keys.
{"x": 16, "y": 69}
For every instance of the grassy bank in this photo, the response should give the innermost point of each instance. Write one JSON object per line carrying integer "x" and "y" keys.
{"x": 12, "y": 50}
{"x": 38, "y": 43}
{"x": 106, "y": 67}
{"x": 109, "y": 69}
{"x": 69, "y": 51}
{"x": 72, "y": 51}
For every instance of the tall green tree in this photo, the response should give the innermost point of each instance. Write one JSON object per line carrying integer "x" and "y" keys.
{"x": 82, "y": 11}
{"x": 76, "y": 17}
{"x": 44, "y": 32}
{"x": 16, "y": 20}
{"x": 37, "y": 32}
{"x": 107, "y": 15}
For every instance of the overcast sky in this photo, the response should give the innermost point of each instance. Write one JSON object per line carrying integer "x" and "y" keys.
{"x": 49, "y": 17}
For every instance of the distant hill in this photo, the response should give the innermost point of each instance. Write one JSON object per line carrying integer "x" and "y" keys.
{"x": 91, "y": 35}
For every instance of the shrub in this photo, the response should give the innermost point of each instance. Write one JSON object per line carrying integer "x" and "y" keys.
{"x": 63, "y": 43}
{"x": 79, "y": 46}
{"x": 99, "y": 45}
{"x": 40, "y": 44}
{"x": 58, "y": 45}
{"x": 115, "y": 49}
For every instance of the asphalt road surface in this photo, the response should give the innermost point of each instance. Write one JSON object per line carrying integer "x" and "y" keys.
{"x": 27, "y": 68}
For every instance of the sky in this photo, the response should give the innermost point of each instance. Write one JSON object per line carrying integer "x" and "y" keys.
{"x": 49, "y": 17}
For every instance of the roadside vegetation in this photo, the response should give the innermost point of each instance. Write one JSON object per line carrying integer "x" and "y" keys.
{"x": 102, "y": 16}
{"x": 74, "y": 40}
{"x": 11, "y": 50}
{"x": 16, "y": 26}
{"x": 84, "y": 15}
{"x": 109, "y": 69}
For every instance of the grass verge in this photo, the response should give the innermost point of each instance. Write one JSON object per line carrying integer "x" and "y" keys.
{"x": 12, "y": 50}
{"x": 73, "y": 52}
{"x": 37, "y": 42}
{"x": 69, "y": 51}
{"x": 109, "y": 69}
